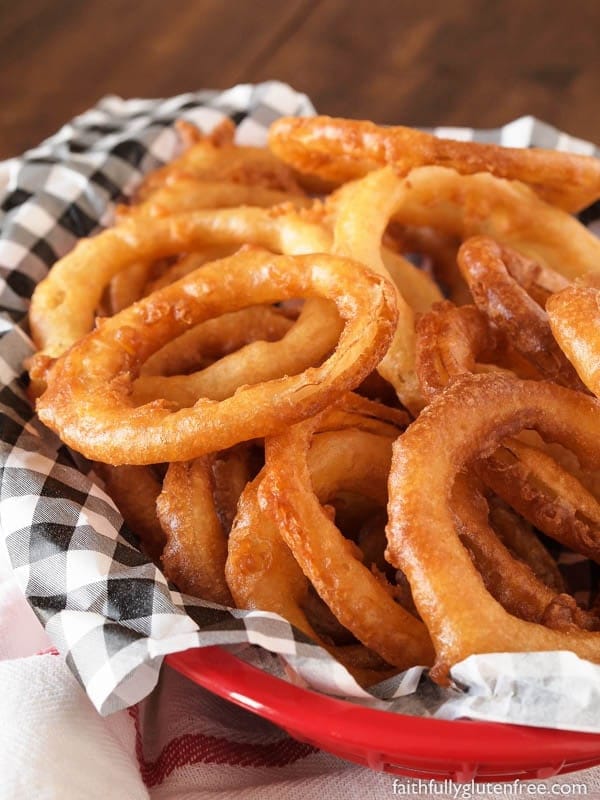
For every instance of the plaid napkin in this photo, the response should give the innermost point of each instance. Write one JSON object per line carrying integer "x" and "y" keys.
{"x": 110, "y": 612}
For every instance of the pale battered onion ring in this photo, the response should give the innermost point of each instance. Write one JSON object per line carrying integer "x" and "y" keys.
{"x": 492, "y": 272}
{"x": 508, "y": 211}
{"x": 352, "y": 592}
{"x": 264, "y": 358}
{"x": 88, "y": 396}
{"x": 449, "y": 593}
{"x": 216, "y": 158}
{"x": 362, "y": 212}
{"x": 339, "y": 150}
{"x": 574, "y": 316}
{"x": 63, "y": 304}
{"x": 216, "y": 338}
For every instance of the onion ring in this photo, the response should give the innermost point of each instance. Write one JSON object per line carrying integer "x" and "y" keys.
{"x": 184, "y": 265}
{"x": 196, "y": 508}
{"x": 490, "y": 270}
{"x": 190, "y": 194}
{"x": 440, "y": 252}
{"x": 134, "y": 491}
{"x": 574, "y": 316}
{"x": 450, "y": 340}
{"x": 196, "y": 545}
{"x": 263, "y": 574}
{"x": 63, "y": 304}
{"x": 340, "y": 150}
{"x": 87, "y": 399}
{"x": 508, "y": 211}
{"x": 217, "y": 158}
{"x": 178, "y": 196}
{"x": 362, "y": 212}
{"x": 351, "y": 591}
{"x": 215, "y": 338}
{"x": 546, "y": 494}
{"x": 518, "y": 536}
{"x": 449, "y": 593}
{"x": 262, "y": 359}
{"x": 511, "y": 582}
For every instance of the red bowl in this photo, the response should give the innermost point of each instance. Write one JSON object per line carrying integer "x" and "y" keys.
{"x": 417, "y": 747}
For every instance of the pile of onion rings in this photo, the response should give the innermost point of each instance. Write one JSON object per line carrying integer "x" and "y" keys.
{"x": 351, "y": 379}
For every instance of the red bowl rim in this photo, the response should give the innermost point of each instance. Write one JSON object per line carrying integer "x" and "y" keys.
{"x": 340, "y": 724}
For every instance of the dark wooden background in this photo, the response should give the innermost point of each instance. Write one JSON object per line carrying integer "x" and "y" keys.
{"x": 417, "y": 62}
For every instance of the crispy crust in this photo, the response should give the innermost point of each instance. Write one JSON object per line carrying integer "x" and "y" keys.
{"x": 340, "y": 150}
{"x": 88, "y": 396}
{"x": 469, "y": 420}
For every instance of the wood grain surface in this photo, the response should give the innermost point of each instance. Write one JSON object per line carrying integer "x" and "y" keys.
{"x": 433, "y": 62}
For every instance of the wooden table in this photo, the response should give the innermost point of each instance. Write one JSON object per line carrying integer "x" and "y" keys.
{"x": 418, "y": 62}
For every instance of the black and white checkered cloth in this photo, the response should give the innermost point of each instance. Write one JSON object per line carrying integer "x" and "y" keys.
{"x": 108, "y": 610}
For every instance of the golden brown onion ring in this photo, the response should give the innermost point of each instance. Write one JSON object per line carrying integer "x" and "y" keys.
{"x": 352, "y": 592}
{"x": 196, "y": 545}
{"x": 352, "y": 410}
{"x": 492, "y": 272}
{"x": 63, "y": 304}
{"x": 546, "y": 494}
{"x": 450, "y": 341}
{"x": 88, "y": 396}
{"x": 196, "y": 508}
{"x": 439, "y": 251}
{"x": 232, "y": 470}
{"x": 511, "y": 582}
{"x": 128, "y": 286}
{"x": 574, "y": 316}
{"x": 362, "y": 212}
{"x": 449, "y": 593}
{"x": 179, "y": 196}
{"x": 134, "y": 491}
{"x": 217, "y": 337}
{"x": 185, "y": 264}
{"x": 216, "y": 158}
{"x": 263, "y": 574}
{"x": 189, "y": 194}
{"x": 340, "y": 150}
{"x": 263, "y": 359}
{"x": 519, "y": 537}
{"x": 508, "y": 211}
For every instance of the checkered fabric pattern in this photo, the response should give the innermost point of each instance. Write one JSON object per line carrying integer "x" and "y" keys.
{"x": 108, "y": 610}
